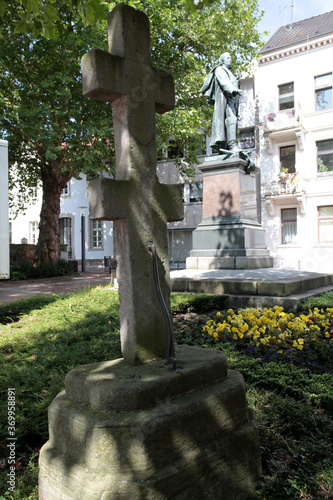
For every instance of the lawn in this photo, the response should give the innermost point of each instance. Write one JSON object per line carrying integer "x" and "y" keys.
{"x": 289, "y": 385}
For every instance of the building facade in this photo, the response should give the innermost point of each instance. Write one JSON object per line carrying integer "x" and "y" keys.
{"x": 293, "y": 86}
{"x": 74, "y": 210}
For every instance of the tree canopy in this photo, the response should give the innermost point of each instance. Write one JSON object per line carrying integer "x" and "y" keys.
{"x": 38, "y": 17}
{"x": 53, "y": 132}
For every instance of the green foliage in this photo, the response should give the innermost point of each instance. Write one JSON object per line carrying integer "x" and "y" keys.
{"x": 40, "y": 17}
{"x": 296, "y": 447}
{"x": 27, "y": 478}
{"x": 49, "y": 335}
{"x": 54, "y": 133}
{"x": 188, "y": 44}
{"x": 26, "y": 270}
{"x": 324, "y": 300}
{"x": 12, "y": 312}
{"x": 321, "y": 166}
{"x": 199, "y": 302}
{"x": 49, "y": 126}
{"x": 285, "y": 378}
{"x": 44, "y": 344}
{"x": 46, "y": 119}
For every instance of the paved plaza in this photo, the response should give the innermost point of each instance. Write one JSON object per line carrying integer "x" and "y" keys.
{"x": 15, "y": 290}
{"x": 246, "y": 287}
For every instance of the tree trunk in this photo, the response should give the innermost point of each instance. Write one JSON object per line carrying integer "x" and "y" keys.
{"x": 48, "y": 246}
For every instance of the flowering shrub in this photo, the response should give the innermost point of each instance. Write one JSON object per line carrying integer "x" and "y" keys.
{"x": 273, "y": 327}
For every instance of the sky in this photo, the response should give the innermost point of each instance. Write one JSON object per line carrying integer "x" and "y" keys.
{"x": 282, "y": 12}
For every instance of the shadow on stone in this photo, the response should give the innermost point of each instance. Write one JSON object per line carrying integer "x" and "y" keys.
{"x": 183, "y": 435}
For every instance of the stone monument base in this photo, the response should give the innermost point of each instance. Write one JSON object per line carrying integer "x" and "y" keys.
{"x": 128, "y": 432}
{"x": 246, "y": 259}
{"x": 230, "y": 235}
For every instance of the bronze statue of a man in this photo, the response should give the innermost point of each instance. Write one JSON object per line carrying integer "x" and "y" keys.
{"x": 221, "y": 88}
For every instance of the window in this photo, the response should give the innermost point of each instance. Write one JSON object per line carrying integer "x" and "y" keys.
{"x": 246, "y": 139}
{"x": 201, "y": 149}
{"x": 289, "y": 225}
{"x": 195, "y": 192}
{"x": 66, "y": 234}
{"x": 183, "y": 192}
{"x": 323, "y": 91}
{"x": 325, "y": 156}
{"x": 33, "y": 192}
{"x": 175, "y": 150}
{"x": 325, "y": 224}
{"x": 96, "y": 234}
{"x": 33, "y": 232}
{"x": 66, "y": 190}
{"x": 287, "y": 158}
{"x": 286, "y": 96}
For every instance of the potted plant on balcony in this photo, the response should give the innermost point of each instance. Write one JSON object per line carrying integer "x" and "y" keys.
{"x": 283, "y": 173}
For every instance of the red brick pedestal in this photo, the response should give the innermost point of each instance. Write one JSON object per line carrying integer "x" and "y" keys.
{"x": 230, "y": 235}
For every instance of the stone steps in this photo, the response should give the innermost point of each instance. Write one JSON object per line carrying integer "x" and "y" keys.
{"x": 254, "y": 288}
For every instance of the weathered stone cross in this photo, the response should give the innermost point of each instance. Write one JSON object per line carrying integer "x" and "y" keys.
{"x": 137, "y": 203}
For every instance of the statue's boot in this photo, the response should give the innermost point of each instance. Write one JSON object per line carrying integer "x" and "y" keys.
{"x": 231, "y": 129}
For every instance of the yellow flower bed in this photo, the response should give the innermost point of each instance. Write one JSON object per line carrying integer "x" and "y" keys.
{"x": 273, "y": 327}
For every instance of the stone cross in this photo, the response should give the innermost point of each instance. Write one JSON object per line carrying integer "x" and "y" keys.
{"x": 135, "y": 200}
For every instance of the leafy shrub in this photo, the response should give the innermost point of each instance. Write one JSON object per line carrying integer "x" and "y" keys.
{"x": 324, "y": 300}
{"x": 25, "y": 270}
{"x": 21, "y": 270}
{"x": 197, "y": 302}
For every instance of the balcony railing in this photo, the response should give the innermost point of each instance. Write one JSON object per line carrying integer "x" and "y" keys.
{"x": 281, "y": 120}
{"x": 290, "y": 184}
{"x": 283, "y": 126}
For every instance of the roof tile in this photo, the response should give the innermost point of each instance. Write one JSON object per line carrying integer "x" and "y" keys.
{"x": 300, "y": 31}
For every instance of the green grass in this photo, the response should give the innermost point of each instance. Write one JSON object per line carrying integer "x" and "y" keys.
{"x": 197, "y": 302}
{"x": 46, "y": 336}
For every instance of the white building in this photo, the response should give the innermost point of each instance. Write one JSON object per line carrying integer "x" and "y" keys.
{"x": 287, "y": 115}
{"x": 73, "y": 204}
{"x": 293, "y": 85}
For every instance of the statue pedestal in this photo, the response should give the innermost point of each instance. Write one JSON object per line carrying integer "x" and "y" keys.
{"x": 230, "y": 235}
{"x": 123, "y": 431}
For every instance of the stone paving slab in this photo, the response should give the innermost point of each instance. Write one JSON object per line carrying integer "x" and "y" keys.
{"x": 269, "y": 282}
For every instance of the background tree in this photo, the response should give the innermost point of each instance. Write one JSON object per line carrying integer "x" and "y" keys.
{"x": 55, "y": 134}
{"x": 49, "y": 125}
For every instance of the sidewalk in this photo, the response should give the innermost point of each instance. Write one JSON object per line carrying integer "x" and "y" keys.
{"x": 15, "y": 290}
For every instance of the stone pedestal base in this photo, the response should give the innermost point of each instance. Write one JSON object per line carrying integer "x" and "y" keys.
{"x": 230, "y": 235}
{"x": 144, "y": 432}
{"x": 241, "y": 262}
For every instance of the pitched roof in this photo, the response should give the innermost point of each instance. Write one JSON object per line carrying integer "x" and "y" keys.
{"x": 300, "y": 31}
